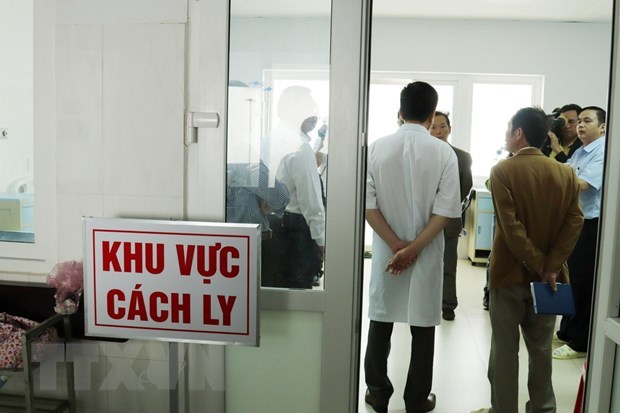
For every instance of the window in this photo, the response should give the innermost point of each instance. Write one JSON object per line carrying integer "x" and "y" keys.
{"x": 491, "y": 109}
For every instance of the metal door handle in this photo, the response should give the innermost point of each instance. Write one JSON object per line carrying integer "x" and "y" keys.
{"x": 195, "y": 120}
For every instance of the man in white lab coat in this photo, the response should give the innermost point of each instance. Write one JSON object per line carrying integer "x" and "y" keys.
{"x": 300, "y": 240}
{"x": 412, "y": 192}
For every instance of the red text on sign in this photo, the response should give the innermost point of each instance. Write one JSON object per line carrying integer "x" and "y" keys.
{"x": 156, "y": 306}
{"x": 226, "y": 305}
{"x": 208, "y": 260}
{"x": 136, "y": 256}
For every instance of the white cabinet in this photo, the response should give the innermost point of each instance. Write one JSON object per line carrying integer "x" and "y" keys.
{"x": 479, "y": 222}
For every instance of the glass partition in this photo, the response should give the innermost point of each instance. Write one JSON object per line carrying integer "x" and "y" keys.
{"x": 16, "y": 121}
{"x": 278, "y": 134}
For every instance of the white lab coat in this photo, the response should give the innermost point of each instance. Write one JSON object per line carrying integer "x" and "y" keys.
{"x": 411, "y": 175}
{"x": 290, "y": 158}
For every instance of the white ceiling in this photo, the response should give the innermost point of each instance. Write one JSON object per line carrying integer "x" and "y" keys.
{"x": 551, "y": 10}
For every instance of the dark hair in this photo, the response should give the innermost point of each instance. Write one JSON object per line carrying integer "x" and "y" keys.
{"x": 569, "y": 107}
{"x": 445, "y": 115}
{"x": 534, "y": 123}
{"x": 418, "y": 101}
{"x": 600, "y": 113}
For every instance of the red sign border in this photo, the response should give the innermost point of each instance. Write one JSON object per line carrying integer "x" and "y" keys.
{"x": 247, "y": 291}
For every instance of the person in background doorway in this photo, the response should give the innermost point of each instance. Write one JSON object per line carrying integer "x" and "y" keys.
{"x": 412, "y": 191}
{"x": 287, "y": 151}
{"x": 561, "y": 147}
{"x": 535, "y": 233}
{"x": 588, "y": 163}
{"x": 441, "y": 129}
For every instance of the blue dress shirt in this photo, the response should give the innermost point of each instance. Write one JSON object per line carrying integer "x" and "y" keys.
{"x": 587, "y": 162}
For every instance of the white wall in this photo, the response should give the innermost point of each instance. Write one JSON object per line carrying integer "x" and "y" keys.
{"x": 573, "y": 57}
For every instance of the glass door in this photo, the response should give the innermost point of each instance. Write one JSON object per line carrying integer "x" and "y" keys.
{"x": 288, "y": 155}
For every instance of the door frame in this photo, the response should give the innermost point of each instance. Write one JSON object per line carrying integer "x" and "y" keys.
{"x": 349, "y": 80}
{"x": 205, "y": 191}
{"x": 603, "y": 378}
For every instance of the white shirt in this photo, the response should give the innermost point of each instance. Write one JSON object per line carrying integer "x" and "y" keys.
{"x": 289, "y": 153}
{"x": 411, "y": 175}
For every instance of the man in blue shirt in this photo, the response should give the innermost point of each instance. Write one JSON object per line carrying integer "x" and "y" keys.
{"x": 587, "y": 162}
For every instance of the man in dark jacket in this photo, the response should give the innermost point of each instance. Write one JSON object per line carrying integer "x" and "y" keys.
{"x": 441, "y": 129}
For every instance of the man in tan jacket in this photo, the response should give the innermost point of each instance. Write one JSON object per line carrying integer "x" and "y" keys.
{"x": 536, "y": 203}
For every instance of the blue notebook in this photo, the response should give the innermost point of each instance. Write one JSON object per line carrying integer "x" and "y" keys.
{"x": 549, "y": 302}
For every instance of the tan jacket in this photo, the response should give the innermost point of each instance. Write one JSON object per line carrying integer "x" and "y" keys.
{"x": 536, "y": 202}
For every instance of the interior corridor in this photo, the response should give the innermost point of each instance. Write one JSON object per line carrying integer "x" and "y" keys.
{"x": 461, "y": 355}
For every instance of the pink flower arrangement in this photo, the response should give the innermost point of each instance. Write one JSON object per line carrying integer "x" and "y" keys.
{"x": 68, "y": 279}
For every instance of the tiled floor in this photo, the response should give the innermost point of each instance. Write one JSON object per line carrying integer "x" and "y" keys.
{"x": 461, "y": 356}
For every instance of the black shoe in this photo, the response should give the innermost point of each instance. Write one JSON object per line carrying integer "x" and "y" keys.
{"x": 369, "y": 398}
{"x": 485, "y": 301}
{"x": 448, "y": 315}
{"x": 427, "y": 406}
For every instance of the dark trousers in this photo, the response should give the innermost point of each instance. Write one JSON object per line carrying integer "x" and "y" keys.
{"x": 420, "y": 375}
{"x": 270, "y": 254}
{"x": 290, "y": 259}
{"x": 575, "y": 329}
{"x": 451, "y": 235}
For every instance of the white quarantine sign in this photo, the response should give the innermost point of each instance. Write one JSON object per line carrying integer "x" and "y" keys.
{"x": 171, "y": 280}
